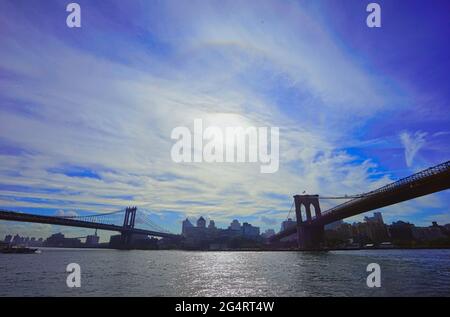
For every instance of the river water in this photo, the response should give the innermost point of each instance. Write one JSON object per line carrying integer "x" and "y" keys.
{"x": 186, "y": 273}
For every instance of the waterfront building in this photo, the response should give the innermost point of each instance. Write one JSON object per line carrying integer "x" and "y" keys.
{"x": 60, "y": 241}
{"x": 198, "y": 237}
{"x": 136, "y": 241}
{"x": 287, "y": 224}
{"x": 235, "y": 225}
{"x": 372, "y": 230}
{"x": 212, "y": 225}
{"x": 92, "y": 240}
{"x": 211, "y": 237}
{"x": 401, "y": 231}
{"x": 249, "y": 231}
{"x": 8, "y": 238}
{"x": 201, "y": 222}
{"x": 425, "y": 234}
{"x": 185, "y": 226}
{"x": 376, "y": 229}
{"x": 268, "y": 233}
{"x": 17, "y": 240}
{"x": 35, "y": 242}
{"x": 196, "y": 232}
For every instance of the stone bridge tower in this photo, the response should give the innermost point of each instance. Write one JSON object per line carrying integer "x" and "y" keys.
{"x": 309, "y": 235}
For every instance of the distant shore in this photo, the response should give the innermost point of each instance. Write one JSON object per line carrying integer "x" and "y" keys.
{"x": 255, "y": 249}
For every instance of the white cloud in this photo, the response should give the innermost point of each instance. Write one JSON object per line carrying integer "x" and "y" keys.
{"x": 412, "y": 144}
{"x": 66, "y": 213}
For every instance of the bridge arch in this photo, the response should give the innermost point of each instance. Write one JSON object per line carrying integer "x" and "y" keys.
{"x": 313, "y": 211}
{"x": 303, "y": 216}
{"x": 307, "y": 207}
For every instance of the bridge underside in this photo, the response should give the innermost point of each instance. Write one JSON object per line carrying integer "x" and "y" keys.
{"x": 387, "y": 198}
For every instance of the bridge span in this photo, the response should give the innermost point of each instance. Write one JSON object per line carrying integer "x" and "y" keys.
{"x": 310, "y": 229}
{"x": 126, "y": 230}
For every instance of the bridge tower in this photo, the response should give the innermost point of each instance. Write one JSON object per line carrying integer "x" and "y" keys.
{"x": 128, "y": 223}
{"x": 309, "y": 235}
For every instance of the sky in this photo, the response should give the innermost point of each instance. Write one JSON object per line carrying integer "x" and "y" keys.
{"x": 86, "y": 113}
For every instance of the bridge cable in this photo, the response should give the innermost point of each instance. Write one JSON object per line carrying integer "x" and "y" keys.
{"x": 94, "y": 215}
{"x": 290, "y": 211}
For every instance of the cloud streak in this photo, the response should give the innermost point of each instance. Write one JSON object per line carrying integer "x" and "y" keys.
{"x": 412, "y": 144}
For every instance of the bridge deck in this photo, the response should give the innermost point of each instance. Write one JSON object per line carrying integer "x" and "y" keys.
{"x": 24, "y": 217}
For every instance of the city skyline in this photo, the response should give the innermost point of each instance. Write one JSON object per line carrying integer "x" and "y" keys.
{"x": 86, "y": 114}
{"x": 105, "y": 236}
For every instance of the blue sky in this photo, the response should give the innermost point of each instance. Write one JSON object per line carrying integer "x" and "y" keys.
{"x": 86, "y": 114}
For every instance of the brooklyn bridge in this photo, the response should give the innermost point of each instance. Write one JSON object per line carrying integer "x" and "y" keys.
{"x": 310, "y": 219}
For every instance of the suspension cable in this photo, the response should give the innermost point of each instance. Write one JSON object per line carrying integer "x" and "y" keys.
{"x": 94, "y": 215}
{"x": 290, "y": 210}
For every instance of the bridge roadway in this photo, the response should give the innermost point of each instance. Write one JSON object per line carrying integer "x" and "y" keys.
{"x": 24, "y": 217}
{"x": 428, "y": 181}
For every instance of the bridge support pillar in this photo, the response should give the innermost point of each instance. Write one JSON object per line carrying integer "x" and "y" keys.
{"x": 128, "y": 223}
{"x": 309, "y": 235}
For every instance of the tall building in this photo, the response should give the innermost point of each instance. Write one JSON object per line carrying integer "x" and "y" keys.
{"x": 235, "y": 225}
{"x": 17, "y": 240}
{"x": 201, "y": 222}
{"x": 8, "y": 238}
{"x": 200, "y": 237}
{"x": 186, "y": 224}
{"x": 376, "y": 218}
{"x": 212, "y": 225}
{"x": 199, "y": 232}
{"x": 287, "y": 224}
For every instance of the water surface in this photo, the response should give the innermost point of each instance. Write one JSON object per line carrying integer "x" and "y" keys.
{"x": 186, "y": 273}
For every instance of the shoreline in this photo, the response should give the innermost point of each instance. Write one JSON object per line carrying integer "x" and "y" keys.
{"x": 254, "y": 250}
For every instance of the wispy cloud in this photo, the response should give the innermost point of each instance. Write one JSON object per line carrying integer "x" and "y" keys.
{"x": 412, "y": 144}
{"x": 64, "y": 213}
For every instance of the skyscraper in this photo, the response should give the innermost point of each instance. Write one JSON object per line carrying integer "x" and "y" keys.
{"x": 201, "y": 222}
{"x": 185, "y": 226}
{"x": 287, "y": 224}
{"x": 235, "y": 225}
{"x": 377, "y": 218}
